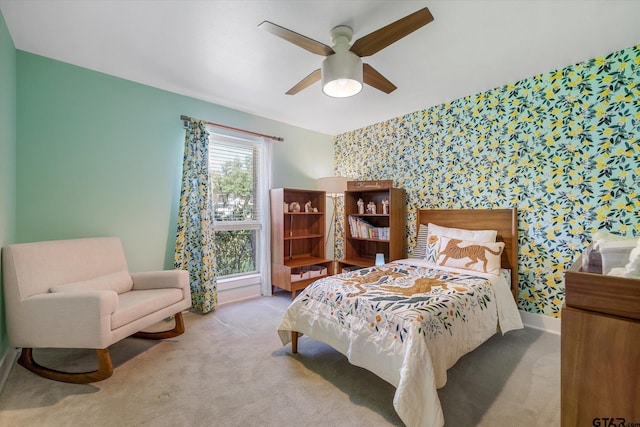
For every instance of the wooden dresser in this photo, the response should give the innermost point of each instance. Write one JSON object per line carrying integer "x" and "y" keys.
{"x": 600, "y": 349}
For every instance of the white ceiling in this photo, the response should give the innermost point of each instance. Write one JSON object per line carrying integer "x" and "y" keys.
{"x": 214, "y": 51}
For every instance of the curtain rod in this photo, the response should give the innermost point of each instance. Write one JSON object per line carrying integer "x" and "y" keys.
{"x": 187, "y": 119}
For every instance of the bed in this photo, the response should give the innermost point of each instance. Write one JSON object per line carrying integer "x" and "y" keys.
{"x": 410, "y": 320}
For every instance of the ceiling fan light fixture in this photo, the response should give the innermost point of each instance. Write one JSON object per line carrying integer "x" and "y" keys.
{"x": 342, "y": 74}
{"x": 342, "y": 70}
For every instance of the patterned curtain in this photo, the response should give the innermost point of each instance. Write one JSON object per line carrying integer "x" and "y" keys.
{"x": 195, "y": 238}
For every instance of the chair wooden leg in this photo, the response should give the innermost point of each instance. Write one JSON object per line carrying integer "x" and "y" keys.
{"x": 105, "y": 368}
{"x": 294, "y": 342}
{"x": 177, "y": 330}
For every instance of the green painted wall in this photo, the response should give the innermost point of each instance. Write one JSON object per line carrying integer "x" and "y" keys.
{"x": 98, "y": 155}
{"x": 7, "y": 156}
{"x": 563, "y": 147}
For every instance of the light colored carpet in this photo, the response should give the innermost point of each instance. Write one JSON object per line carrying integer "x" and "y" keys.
{"x": 229, "y": 369}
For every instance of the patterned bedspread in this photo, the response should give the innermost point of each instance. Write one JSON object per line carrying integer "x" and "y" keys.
{"x": 406, "y": 322}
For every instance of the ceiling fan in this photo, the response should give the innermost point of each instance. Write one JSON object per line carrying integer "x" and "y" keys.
{"x": 343, "y": 71}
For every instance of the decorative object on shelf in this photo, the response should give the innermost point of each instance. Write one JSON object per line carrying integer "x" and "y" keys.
{"x": 285, "y": 207}
{"x": 379, "y": 184}
{"x": 307, "y": 207}
{"x": 379, "y": 259}
{"x": 385, "y": 206}
{"x": 360, "y": 206}
{"x": 334, "y": 187}
{"x": 294, "y": 206}
{"x": 371, "y": 208}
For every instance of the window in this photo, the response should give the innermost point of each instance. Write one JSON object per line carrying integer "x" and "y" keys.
{"x": 235, "y": 169}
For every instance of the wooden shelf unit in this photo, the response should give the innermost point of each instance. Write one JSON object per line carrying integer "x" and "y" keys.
{"x": 600, "y": 354}
{"x": 361, "y": 251}
{"x": 297, "y": 238}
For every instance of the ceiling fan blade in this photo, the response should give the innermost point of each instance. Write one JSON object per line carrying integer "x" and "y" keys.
{"x": 383, "y": 37}
{"x": 373, "y": 78}
{"x": 306, "y": 82}
{"x": 297, "y": 39}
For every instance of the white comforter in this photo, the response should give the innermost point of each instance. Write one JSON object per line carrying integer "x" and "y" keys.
{"x": 374, "y": 317}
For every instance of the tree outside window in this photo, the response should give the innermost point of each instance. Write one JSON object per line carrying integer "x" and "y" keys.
{"x": 234, "y": 174}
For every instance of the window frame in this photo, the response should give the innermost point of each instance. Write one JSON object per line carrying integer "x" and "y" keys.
{"x": 240, "y": 279}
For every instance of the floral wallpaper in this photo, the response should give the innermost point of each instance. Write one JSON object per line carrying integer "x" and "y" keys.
{"x": 563, "y": 147}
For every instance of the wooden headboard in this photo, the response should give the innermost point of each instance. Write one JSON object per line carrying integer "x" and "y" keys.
{"x": 505, "y": 221}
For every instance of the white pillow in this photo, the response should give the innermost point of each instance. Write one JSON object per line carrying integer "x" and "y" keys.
{"x": 119, "y": 282}
{"x": 436, "y": 231}
{"x": 477, "y": 256}
{"x": 633, "y": 266}
{"x": 617, "y": 271}
{"x": 614, "y": 250}
{"x": 605, "y": 239}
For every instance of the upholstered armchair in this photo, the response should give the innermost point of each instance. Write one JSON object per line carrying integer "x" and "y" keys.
{"x": 79, "y": 294}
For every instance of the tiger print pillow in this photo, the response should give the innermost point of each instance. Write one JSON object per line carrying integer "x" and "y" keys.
{"x": 477, "y": 256}
{"x": 436, "y": 231}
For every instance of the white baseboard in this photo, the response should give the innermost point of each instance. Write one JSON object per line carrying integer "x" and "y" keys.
{"x": 238, "y": 294}
{"x": 540, "y": 321}
{"x": 6, "y": 364}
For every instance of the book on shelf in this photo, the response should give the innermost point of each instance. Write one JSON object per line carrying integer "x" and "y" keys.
{"x": 361, "y": 229}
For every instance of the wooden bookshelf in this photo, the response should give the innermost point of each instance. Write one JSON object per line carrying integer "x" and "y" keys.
{"x": 359, "y": 249}
{"x": 297, "y": 240}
